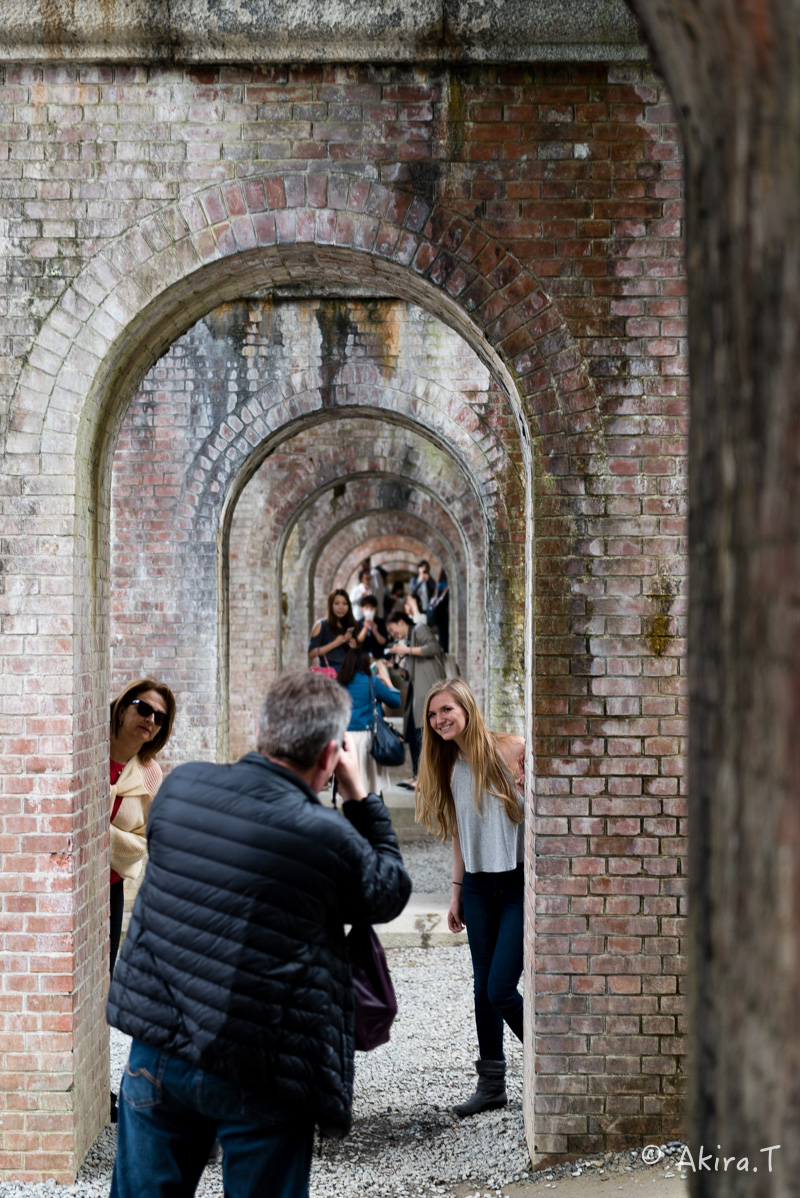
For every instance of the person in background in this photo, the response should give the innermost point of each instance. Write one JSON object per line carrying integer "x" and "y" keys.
{"x": 439, "y": 611}
{"x": 411, "y": 608}
{"x": 354, "y": 676}
{"x": 332, "y": 636}
{"x": 141, "y": 718}
{"x": 234, "y": 980}
{"x": 418, "y": 653}
{"x": 372, "y": 632}
{"x": 363, "y": 587}
{"x": 469, "y": 789}
{"x": 377, "y": 579}
{"x": 396, "y": 598}
{"x": 423, "y": 587}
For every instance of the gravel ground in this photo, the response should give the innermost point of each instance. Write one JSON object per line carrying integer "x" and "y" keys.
{"x": 429, "y": 863}
{"x": 405, "y": 1142}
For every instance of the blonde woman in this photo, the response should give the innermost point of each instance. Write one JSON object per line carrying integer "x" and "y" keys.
{"x": 468, "y": 789}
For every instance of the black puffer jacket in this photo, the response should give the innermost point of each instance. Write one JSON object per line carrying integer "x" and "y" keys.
{"x": 235, "y": 960}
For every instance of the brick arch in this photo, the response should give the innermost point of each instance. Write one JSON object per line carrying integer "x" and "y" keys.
{"x": 233, "y": 451}
{"x": 484, "y": 460}
{"x": 150, "y": 284}
{"x": 251, "y": 668}
{"x": 466, "y": 549}
{"x": 275, "y": 507}
{"x": 142, "y": 291}
{"x": 335, "y": 562}
{"x": 154, "y": 281}
{"x": 379, "y": 545}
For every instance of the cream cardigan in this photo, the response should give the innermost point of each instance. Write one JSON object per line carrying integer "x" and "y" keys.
{"x": 137, "y": 784}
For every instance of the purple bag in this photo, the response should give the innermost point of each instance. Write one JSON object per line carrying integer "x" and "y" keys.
{"x": 374, "y": 996}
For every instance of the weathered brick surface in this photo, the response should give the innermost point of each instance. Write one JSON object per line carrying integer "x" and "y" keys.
{"x": 309, "y": 516}
{"x": 537, "y": 213}
{"x": 194, "y": 418}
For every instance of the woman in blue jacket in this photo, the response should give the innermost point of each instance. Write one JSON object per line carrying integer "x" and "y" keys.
{"x": 354, "y": 676}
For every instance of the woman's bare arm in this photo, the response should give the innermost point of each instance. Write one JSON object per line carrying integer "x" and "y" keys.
{"x": 321, "y": 650}
{"x": 455, "y": 912}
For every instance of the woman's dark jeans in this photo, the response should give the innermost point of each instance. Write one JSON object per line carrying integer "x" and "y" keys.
{"x": 493, "y": 913}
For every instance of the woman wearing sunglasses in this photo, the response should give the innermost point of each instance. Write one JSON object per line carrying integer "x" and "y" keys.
{"x": 141, "y": 721}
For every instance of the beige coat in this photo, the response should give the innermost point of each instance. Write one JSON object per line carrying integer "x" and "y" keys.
{"x": 423, "y": 671}
{"x": 138, "y": 784}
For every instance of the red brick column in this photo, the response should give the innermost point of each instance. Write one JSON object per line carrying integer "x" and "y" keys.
{"x": 537, "y": 213}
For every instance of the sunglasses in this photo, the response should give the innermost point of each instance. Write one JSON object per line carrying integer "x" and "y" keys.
{"x": 145, "y": 711}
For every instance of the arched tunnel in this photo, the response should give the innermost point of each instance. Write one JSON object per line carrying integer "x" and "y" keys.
{"x": 276, "y": 444}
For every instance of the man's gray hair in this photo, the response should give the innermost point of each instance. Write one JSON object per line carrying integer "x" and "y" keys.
{"x": 302, "y": 712}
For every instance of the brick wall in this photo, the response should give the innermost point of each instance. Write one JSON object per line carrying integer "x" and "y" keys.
{"x": 168, "y": 500}
{"x": 536, "y": 212}
{"x": 365, "y": 489}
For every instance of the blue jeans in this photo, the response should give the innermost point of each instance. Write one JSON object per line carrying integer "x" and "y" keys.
{"x": 493, "y": 913}
{"x": 169, "y": 1115}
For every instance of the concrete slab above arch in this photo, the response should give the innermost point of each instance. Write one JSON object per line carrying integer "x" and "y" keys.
{"x": 305, "y": 31}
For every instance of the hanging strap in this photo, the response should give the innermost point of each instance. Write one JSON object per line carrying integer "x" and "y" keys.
{"x": 372, "y": 701}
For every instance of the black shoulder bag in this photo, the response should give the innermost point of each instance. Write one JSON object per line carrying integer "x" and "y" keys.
{"x": 387, "y": 745}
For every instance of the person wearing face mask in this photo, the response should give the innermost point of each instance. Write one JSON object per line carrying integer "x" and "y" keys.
{"x": 372, "y": 633}
{"x": 332, "y": 636}
{"x": 363, "y": 587}
{"x": 468, "y": 788}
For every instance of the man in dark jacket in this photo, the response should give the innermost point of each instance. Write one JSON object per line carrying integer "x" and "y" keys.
{"x": 234, "y": 980}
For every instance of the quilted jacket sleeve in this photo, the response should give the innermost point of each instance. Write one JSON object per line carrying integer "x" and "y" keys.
{"x": 376, "y": 887}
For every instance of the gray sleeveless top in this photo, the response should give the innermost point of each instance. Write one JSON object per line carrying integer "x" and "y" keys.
{"x": 490, "y": 843}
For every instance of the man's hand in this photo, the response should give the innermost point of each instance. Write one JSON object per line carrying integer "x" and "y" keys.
{"x": 348, "y": 772}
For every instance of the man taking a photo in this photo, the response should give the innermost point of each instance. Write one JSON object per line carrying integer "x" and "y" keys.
{"x": 234, "y": 980}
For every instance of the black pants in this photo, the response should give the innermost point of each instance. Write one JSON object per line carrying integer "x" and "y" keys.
{"x": 117, "y": 905}
{"x": 413, "y": 737}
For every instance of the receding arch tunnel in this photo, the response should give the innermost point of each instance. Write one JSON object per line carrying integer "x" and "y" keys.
{"x": 286, "y": 452}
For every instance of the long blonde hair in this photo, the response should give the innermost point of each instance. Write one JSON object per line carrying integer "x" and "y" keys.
{"x": 433, "y": 798}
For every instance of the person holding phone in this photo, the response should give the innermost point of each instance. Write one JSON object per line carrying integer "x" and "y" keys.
{"x": 333, "y": 635}
{"x": 372, "y": 634}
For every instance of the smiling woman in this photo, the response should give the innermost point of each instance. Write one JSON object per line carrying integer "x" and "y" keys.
{"x": 468, "y": 788}
{"x": 141, "y": 721}
{"x": 142, "y": 716}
